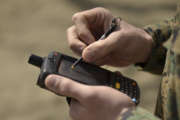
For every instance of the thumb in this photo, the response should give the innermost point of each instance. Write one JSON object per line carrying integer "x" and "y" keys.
{"x": 66, "y": 87}
{"x": 99, "y": 49}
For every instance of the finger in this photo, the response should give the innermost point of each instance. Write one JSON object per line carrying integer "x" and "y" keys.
{"x": 83, "y": 25}
{"x": 75, "y": 44}
{"x": 66, "y": 87}
{"x": 103, "y": 61}
{"x": 91, "y": 15}
{"x": 110, "y": 61}
{"x": 100, "y": 49}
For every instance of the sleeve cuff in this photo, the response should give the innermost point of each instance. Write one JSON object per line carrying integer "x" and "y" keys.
{"x": 155, "y": 63}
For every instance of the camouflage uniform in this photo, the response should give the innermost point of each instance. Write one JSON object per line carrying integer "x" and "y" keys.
{"x": 165, "y": 61}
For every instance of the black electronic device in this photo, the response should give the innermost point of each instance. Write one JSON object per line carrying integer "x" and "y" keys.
{"x": 85, "y": 73}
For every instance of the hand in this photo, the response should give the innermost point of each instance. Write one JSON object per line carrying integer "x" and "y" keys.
{"x": 90, "y": 102}
{"x": 127, "y": 45}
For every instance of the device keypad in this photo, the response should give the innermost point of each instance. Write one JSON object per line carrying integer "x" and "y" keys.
{"x": 127, "y": 86}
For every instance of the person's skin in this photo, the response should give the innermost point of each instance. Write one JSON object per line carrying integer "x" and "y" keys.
{"x": 90, "y": 102}
{"x": 127, "y": 45}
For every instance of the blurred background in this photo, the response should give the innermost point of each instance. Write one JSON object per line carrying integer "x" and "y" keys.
{"x": 39, "y": 26}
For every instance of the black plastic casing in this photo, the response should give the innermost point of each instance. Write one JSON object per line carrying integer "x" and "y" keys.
{"x": 85, "y": 73}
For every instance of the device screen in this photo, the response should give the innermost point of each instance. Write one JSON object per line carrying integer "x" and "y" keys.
{"x": 84, "y": 73}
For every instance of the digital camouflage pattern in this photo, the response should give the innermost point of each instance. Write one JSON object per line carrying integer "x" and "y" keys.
{"x": 165, "y": 61}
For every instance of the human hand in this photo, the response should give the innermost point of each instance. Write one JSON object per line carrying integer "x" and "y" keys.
{"x": 127, "y": 45}
{"x": 90, "y": 102}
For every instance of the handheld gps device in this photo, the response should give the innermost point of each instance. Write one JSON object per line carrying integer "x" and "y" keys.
{"x": 85, "y": 73}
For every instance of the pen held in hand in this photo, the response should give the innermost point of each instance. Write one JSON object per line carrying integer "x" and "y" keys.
{"x": 112, "y": 28}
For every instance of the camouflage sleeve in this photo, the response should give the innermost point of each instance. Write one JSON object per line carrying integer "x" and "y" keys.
{"x": 173, "y": 75}
{"x": 138, "y": 114}
{"x": 160, "y": 33}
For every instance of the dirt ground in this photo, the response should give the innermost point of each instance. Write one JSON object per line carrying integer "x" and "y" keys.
{"x": 39, "y": 26}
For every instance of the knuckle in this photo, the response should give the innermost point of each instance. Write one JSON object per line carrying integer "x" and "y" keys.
{"x": 62, "y": 87}
{"x": 73, "y": 46}
{"x": 77, "y": 16}
{"x": 50, "y": 76}
{"x": 68, "y": 30}
{"x": 57, "y": 85}
{"x": 82, "y": 34}
{"x": 102, "y": 9}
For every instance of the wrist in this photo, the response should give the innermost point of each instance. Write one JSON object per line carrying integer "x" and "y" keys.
{"x": 125, "y": 113}
{"x": 150, "y": 44}
{"x": 147, "y": 43}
